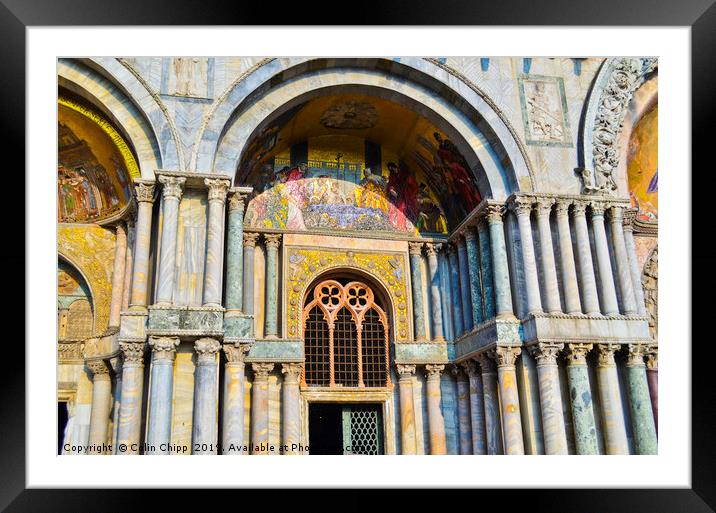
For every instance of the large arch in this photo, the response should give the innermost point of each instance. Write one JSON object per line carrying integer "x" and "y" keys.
{"x": 461, "y": 110}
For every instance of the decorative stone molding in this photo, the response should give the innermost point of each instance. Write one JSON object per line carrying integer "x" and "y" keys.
{"x": 505, "y": 357}
{"x": 98, "y": 368}
{"x": 577, "y": 353}
{"x": 273, "y": 240}
{"x": 291, "y": 372}
{"x": 623, "y": 78}
{"x": 144, "y": 191}
{"x": 163, "y": 348}
{"x": 579, "y": 208}
{"x": 635, "y": 355}
{"x": 432, "y": 249}
{"x": 405, "y": 371}
{"x": 433, "y": 372}
{"x": 71, "y": 351}
{"x": 562, "y": 207}
{"x": 262, "y": 370}
{"x": 206, "y": 349}
{"x": 545, "y": 354}
{"x": 217, "y": 188}
{"x": 597, "y": 208}
{"x": 628, "y": 219}
{"x": 172, "y": 186}
{"x": 132, "y": 353}
{"x": 605, "y": 354}
{"x": 250, "y": 239}
{"x": 236, "y": 353}
{"x": 415, "y": 248}
{"x": 650, "y": 285}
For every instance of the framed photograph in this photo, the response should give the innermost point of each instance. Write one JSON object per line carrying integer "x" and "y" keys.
{"x": 415, "y": 257}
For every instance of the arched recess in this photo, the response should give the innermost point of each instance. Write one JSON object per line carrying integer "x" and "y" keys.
{"x": 600, "y": 149}
{"x": 74, "y": 295}
{"x": 127, "y": 104}
{"x": 461, "y": 110}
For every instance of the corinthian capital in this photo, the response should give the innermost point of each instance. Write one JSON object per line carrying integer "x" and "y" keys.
{"x": 405, "y": 371}
{"x": 522, "y": 205}
{"x": 236, "y": 201}
{"x": 98, "y": 368}
{"x": 629, "y": 217}
{"x": 172, "y": 186}
{"x": 546, "y": 354}
{"x": 291, "y": 372}
{"x": 273, "y": 240}
{"x": 598, "y": 208}
{"x": 261, "y": 370}
{"x": 433, "y": 372}
{"x": 505, "y": 356}
{"x": 133, "y": 353}
{"x": 605, "y": 354}
{"x": 579, "y": 208}
{"x": 432, "y": 249}
{"x": 487, "y": 364}
{"x": 163, "y": 348}
{"x": 562, "y": 207}
{"x": 144, "y": 192}
{"x": 206, "y": 350}
{"x": 415, "y": 248}
{"x": 635, "y": 355}
{"x": 235, "y": 353}
{"x": 250, "y": 239}
{"x": 217, "y": 188}
{"x": 544, "y": 206}
{"x": 471, "y": 369}
{"x": 494, "y": 213}
{"x": 577, "y": 353}
{"x": 616, "y": 214}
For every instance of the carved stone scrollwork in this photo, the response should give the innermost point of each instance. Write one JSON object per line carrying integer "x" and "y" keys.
{"x": 605, "y": 354}
{"x": 98, "y": 368}
{"x": 546, "y": 354}
{"x": 405, "y": 371}
{"x": 415, "y": 248}
{"x": 505, "y": 356}
{"x": 237, "y": 201}
{"x": 163, "y": 348}
{"x": 562, "y": 208}
{"x": 217, "y": 188}
{"x": 635, "y": 355}
{"x": 522, "y": 206}
{"x": 544, "y": 206}
{"x": 494, "y": 213}
{"x": 272, "y": 241}
{"x": 250, "y": 239}
{"x": 132, "y": 353}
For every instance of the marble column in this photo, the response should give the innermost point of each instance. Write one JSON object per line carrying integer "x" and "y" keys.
{"x": 260, "y": 408}
{"x": 585, "y": 428}
{"x": 171, "y": 197}
{"x": 642, "y": 416}
{"x": 614, "y": 428}
{"x": 143, "y": 236}
{"x": 417, "y": 286}
{"x": 572, "y": 302}
{"x": 456, "y": 292}
{"x": 271, "y": 319}
{"x": 214, "y": 240}
{"x": 628, "y": 229}
{"x": 601, "y": 246}
{"x": 205, "y": 427}
{"x": 291, "y": 408}
{"x": 129, "y": 431}
{"x": 128, "y": 262}
{"x": 159, "y": 422}
{"x": 101, "y": 405}
{"x": 500, "y": 266}
{"x": 235, "y": 252}
{"x": 408, "y": 441}
{"x": 652, "y": 377}
{"x": 435, "y": 299}
{"x": 549, "y": 269}
{"x": 550, "y": 397}
{"x": 463, "y": 410}
{"x": 622, "y": 261}
{"x": 120, "y": 260}
{"x": 466, "y": 304}
{"x": 523, "y": 209}
{"x": 587, "y": 279}
{"x": 509, "y": 398}
{"x": 493, "y": 430}
{"x": 473, "y": 262}
{"x": 248, "y": 274}
{"x": 436, "y": 422}
{"x": 232, "y": 422}
{"x": 488, "y": 288}
{"x": 477, "y": 407}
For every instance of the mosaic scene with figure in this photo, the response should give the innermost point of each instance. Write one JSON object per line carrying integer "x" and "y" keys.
{"x": 397, "y": 255}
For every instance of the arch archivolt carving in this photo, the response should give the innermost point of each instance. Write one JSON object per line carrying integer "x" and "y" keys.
{"x": 304, "y": 265}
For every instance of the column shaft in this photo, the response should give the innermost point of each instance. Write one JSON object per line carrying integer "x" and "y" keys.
{"x": 633, "y": 263}
{"x": 271, "y": 318}
{"x": 249, "y": 248}
{"x": 206, "y": 400}
{"x": 588, "y": 282}
{"x": 435, "y": 297}
{"x": 171, "y": 196}
{"x": 235, "y": 253}
{"x": 129, "y": 262}
{"x": 523, "y": 209}
{"x": 569, "y": 271}
{"x": 477, "y": 408}
{"x": 291, "y": 408}
{"x": 120, "y": 260}
{"x": 159, "y": 423}
{"x": 466, "y": 304}
{"x": 652, "y": 377}
{"x": 408, "y": 441}
{"x": 417, "y": 286}
{"x": 463, "y": 411}
{"x": 642, "y": 416}
{"x": 488, "y": 288}
{"x": 143, "y": 235}
{"x": 101, "y": 406}
{"x": 585, "y": 429}
{"x": 233, "y": 400}
{"x": 457, "y": 318}
{"x": 473, "y": 262}
{"x": 214, "y": 240}
{"x": 611, "y": 403}
{"x": 493, "y": 429}
{"x": 260, "y": 408}
{"x": 509, "y": 399}
{"x": 606, "y": 278}
{"x": 436, "y": 422}
{"x": 550, "y": 398}
{"x": 129, "y": 431}
{"x": 622, "y": 262}
{"x": 500, "y": 267}
{"x": 549, "y": 269}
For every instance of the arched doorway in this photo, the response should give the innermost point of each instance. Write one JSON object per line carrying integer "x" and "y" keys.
{"x": 346, "y": 384}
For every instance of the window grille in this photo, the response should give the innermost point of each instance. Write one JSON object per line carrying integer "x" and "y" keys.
{"x": 346, "y": 337}
{"x": 79, "y": 320}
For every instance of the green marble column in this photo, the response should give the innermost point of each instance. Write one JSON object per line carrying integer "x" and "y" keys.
{"x": 488, "y": 288}
{"x": 642, "y": 417}
{"x": 271, "y": 319}
{"x": 473, "y": 262}
{"x": 509, "y": 398}
{"x": 585, "y": 428}
{"x": 464, "y": 284}
{"x": 235, "y": 252}
{"x": 417, "y": 286}
{"x": 500, "y": 266}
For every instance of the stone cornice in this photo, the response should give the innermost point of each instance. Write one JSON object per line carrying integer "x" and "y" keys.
{"x": 192, "y": 180}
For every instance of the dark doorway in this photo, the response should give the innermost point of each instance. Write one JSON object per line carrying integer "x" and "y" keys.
{"x": 345, "y": 428}
{"x": 62, "y": 418}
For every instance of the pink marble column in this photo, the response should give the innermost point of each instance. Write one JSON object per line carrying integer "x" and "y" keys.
{"x": 509, "y": 398}
{"x": 436, "y": 422}
{"x": 291, "y": 409}
{"x": 120, "y": 260}
{"x": 260, "y": 408}
{"x": 463, "y": 410}
{"x": 652, "y": 379}
{"x": 408, "y": 440}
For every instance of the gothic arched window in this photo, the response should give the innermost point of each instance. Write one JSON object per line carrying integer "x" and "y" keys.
{"x": 346, "y": 337}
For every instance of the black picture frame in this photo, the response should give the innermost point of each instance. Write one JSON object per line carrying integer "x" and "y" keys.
{"x": 17, "y": 15}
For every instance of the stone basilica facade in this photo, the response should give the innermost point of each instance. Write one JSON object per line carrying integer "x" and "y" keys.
{"x": 357, "y": 255}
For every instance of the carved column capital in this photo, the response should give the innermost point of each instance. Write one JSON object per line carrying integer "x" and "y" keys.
{"x": 494, "y": 213}
{"x": 132, "y": 353}
{"x": 144, "y": 192}
{"x": 235, "y": 353}
{"x": 405, "y": 371}
{"x": 432, "y": 249}
{"x": 206, "y": 350}
{"x": 577, "y": 353}
{"x": 521, "y": 206}
{"x": 237, "y": 201}
{"x": 172, "y": 186}
{"x": 635, "y": 355}
{"x": 415, "y": 248}
{"x": 544, "y": 206}
{"x": 458, "y": 371}
{"x": 262, "y": 370}
{"x": 505, "y": 357}
{"x": 652, "y": 358}
{"x": 579, "y": 208}
{"x": 451, "y": 248}
{"x": 487, "y": 364}
{"x": 597, "y": 208}
{"x": 469, "y": 233}
{"x": 545, "y": 354}
{"x": 605, "y": 354}
{"x": 250, "y": 239}
{"x": 471, "y": 368}
{"x": 272, "y": 240}
{"x": 616, "y": 214}
{"x": 217, "y": 188}
{"x": 291, "y": 372}
{"x": 163, "y": 348}
{"x": 562, "y": 207}
{"x": 433, "y": 372}
{"x": 99, "y": 369}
